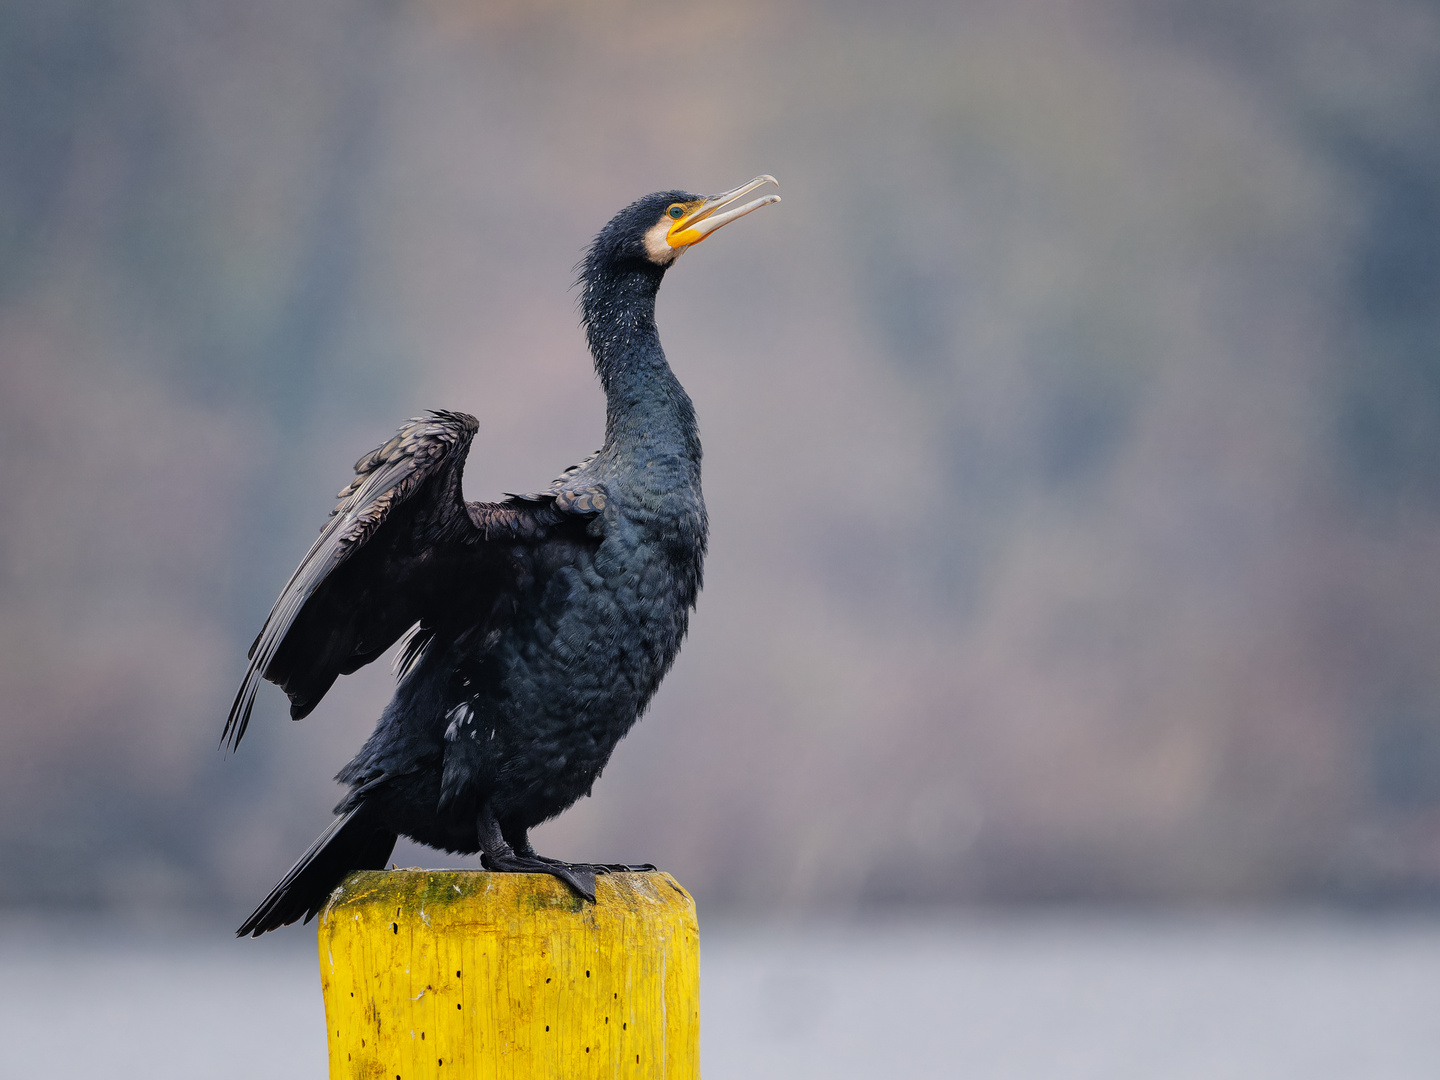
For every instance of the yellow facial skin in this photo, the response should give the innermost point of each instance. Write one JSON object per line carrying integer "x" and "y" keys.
{"x": 683, "y": 233}
{"x": 698, "y": 218}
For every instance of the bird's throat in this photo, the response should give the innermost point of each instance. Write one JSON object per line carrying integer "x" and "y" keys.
{"x": 645, "y": 404}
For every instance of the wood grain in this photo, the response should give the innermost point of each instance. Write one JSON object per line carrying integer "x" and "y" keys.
{"x": 468, "y": 974}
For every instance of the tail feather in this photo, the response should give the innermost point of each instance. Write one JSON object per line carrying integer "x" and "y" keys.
{"x": 352, "y": 842}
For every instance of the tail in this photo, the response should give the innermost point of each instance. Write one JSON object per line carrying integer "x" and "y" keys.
{"x": 352, "y": 842}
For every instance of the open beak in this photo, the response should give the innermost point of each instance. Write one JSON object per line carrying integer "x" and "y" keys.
{"x": 711, "y": 214}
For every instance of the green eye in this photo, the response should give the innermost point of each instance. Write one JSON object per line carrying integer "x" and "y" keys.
{"x": 677, "y": 211}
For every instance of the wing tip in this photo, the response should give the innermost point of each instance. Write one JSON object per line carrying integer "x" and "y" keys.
{"x": 451, "y": 416}
{"x": 239, "y": 719}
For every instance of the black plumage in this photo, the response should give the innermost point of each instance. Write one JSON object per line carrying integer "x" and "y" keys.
{"x": 541, "y": 626}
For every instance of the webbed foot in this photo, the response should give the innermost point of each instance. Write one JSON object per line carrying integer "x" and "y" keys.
{"x": 507, "y": 849}
{"x": 622, "y": 867}
{"x": 579, "y": 876}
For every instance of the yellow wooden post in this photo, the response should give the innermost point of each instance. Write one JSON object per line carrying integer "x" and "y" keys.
{"x": 433, "y": 974}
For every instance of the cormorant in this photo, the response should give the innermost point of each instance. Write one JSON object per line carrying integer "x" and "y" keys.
{"x": 539, "y": 626}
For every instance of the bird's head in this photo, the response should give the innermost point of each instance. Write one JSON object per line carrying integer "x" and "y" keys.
{"x": 656, "y": 228}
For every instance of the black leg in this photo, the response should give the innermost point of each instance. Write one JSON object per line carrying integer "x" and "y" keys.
{"x": 497, "y": 854}
{"x": 519, "y": 840}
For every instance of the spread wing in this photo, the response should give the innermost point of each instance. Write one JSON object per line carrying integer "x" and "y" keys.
{"x": 400, "y": 543}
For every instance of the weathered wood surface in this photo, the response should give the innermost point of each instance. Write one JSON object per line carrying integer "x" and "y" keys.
{"x": 467, "y": 974}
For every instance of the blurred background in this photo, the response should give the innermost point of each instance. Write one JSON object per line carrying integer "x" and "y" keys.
{"x": 1072, "y": 428}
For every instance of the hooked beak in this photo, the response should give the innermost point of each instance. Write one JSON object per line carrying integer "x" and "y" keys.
{"x": 711, "y": 214}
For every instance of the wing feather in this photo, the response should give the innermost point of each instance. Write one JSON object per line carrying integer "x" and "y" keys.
{"x": 425, "y": 449}
{"x": 402, "y": 552}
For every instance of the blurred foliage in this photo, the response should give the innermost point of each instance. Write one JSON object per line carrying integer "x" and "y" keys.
{"x": 1073, "y": 425}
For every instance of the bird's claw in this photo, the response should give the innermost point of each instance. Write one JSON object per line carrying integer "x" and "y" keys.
{"x": 605, "y": 868}
{"x": 579, "y": 876}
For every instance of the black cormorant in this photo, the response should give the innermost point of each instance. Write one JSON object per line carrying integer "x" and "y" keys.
{"x": 540, "y": 626}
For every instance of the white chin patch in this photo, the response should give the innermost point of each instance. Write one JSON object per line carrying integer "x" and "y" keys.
{"x": 656, "y": 245}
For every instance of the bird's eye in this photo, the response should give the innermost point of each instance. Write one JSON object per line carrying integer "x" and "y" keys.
{"x": 677, "y": 211}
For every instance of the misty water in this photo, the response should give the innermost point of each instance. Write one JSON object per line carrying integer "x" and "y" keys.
{"x": 1066, "y": 996}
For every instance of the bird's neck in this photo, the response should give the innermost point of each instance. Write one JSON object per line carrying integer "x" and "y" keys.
{"x": 646, "y": 407}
